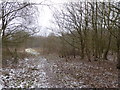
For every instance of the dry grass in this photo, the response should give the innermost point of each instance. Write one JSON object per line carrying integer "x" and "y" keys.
{"x": 8, "y": 57}
{"x": 95, "y": 74}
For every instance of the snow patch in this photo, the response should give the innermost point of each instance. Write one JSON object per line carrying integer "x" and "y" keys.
{"x": 31, "y": 51}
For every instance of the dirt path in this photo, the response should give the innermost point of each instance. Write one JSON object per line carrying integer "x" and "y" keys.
{"x": 36, "y": 73}
{"x": 54, "y": 76}
{"x": 40, "y": 72}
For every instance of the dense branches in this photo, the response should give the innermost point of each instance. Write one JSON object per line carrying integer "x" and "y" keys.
{"x": 18, "y": 23}
{"x": 94, "y": 25}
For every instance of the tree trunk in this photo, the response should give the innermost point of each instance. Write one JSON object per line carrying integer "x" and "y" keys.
{"x": 118, "y": 52}
{"x": 107, "y": 50}
{"x": 15, "y": 56}
{"x": 82, "y": 50}
{"x": 74, "y": 53}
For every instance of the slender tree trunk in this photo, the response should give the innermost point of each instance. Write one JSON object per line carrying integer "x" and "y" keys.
{"x": 109, "y": 28}
{"x": 107, "y": 50}
{"x": 15, "y": 56}
{"x": 74, "y": 53}
{"x": 118, "y": 51}
{"x": 82, "y": 49}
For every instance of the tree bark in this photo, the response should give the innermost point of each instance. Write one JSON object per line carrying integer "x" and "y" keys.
{"x": 107, "y": 50}
{"x": 118, "y": 51}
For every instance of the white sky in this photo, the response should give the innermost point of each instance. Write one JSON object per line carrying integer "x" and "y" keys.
{"x": 45, "y": 13}
{"x": 45, "y": 17}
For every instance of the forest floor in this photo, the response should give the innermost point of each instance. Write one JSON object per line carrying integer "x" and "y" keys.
{"x": 50, "y": 71}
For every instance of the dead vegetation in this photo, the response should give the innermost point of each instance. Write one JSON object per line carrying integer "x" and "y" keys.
{"x": 103, "y": 74}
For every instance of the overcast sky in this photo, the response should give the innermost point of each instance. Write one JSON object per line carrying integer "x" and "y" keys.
{"x": 45, "y": 13}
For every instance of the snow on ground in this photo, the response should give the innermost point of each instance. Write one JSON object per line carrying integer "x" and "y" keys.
{"x": 37, "y": 73}
{"x": 1, "y": 83}
{"x": 40, "y": 72}
{"x": 31, "y": 51}
{"x": 29, "y": 73}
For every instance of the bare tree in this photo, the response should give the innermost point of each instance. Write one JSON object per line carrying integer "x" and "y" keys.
{"x": 17, "y": 23}
{"x": 93, "y": 25}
